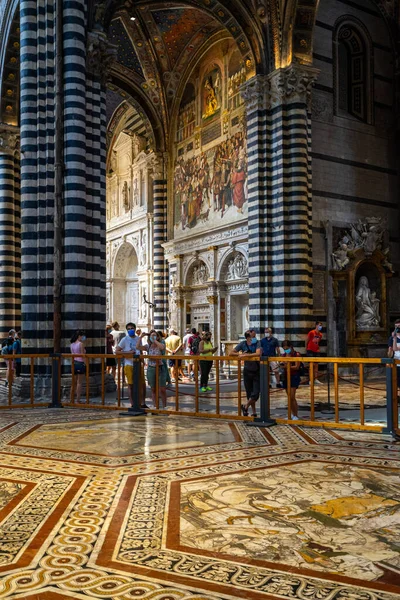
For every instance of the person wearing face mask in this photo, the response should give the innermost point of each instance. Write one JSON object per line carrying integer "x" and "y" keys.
{"x": 155, "y": 347}
{"x": 270, "y": 347}
{"x": 253, "y": 334}
{"x": 251, "y": 372}
{"x": 128, "y": 346}
{"x": 79, "y": 366}
{"x": 294, "y": 376}
{"x": 206, "y": 349}
{"x": 313, "y": 341}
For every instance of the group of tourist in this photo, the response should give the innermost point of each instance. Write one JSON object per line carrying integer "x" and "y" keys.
{"x": 170, "y": 370}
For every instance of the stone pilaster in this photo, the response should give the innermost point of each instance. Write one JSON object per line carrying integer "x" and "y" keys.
{"x": 280, "y": 202}
{"x": 10, "y": 224}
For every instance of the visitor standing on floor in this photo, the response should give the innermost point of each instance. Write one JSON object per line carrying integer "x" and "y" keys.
{"x": 17, "y": 349}
{"x": 173, "y": 344}
{"x": 127, "y": 347}
{"x": 194, "y": 346}
{"x": 313, "y": 341}
{"x": 186, "y": 349}
{"x": 206, "y": 348}
{"x": 155, "y": 347}
{"x": 79, "y": 366}
{"x": 289, "y": 351}
{"x": 270, "y": 347}
{"x": 251, "y": 372}
{"x": 117, "y": 334}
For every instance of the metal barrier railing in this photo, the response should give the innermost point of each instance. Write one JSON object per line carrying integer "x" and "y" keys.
{"x": 51, "y": 380}
{"x": 388, "y": 391}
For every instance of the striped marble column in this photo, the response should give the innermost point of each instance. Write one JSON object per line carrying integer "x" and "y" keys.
{"x": 37, "y": 172}
{"x": 281, "y": 203}
{"x": 160, "y": 277}
{"x": 10, "y": 293}
{"x": 84, "y": 303}
{"x": 84, "y": 133}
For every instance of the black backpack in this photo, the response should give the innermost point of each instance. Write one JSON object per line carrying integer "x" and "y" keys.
{"x": 195, "y": 344}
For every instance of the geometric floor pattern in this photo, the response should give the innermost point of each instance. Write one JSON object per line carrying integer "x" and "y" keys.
{"x": 97, "y": 506}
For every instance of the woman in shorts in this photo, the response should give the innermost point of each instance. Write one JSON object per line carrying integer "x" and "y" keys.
{"x": 294, "y": 376}
{"x": 154, "y": 347}
{"x": 79, "y": 365}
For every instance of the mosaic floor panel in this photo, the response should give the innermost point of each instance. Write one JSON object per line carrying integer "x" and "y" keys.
{"x": 167, "y": 508}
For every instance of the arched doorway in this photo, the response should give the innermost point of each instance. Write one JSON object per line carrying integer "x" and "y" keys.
{"x": 124, "y": 304}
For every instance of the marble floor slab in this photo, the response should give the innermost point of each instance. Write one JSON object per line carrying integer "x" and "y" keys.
{"x": 97, "y": 506}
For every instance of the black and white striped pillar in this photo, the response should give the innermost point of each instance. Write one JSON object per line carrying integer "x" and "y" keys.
{"x": 160, "y": 237}
{"x": 280, "y": 200}
{"x": 10, "y": 267}
{"x": 84, "y": 135}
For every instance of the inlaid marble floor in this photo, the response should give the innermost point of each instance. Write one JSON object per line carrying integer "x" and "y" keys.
{"x": 93, "y": 505}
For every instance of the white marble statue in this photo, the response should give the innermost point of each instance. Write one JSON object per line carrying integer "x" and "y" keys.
{"x": 368, "y": 315}
{"x": 340, "y": 257}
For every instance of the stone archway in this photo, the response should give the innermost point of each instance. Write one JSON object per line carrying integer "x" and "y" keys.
{"x": 234, "y": 295}
{"x": 124, "y": 286}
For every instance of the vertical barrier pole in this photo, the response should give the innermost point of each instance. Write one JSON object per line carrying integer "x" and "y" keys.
{"x": 391, "y": 426}
{"x": 32, "y": 380}
{"x": 217, "y": 363}
{"x": 196, "y": 390}
{"x": 239, "y": 387}
{"x": 289, "y": 390}
{"x": 55, "y": 381}
{"x": 336, "y": 384}
{"x": 312, "y": 391}
{"x": 10, "y": 381}
{"x": 265, "y": 397}
{"x": 177, "y": 385}
{"x": 361, "y": 374}
{"x": 87, "y": 381}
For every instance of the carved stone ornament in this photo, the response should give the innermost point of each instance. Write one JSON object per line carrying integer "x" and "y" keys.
{"x": 237, "y": 268}
{"x": 100, "y": 54}
{"x": 291, "y": 84}
{"x": 199, "y": 274}
{"x": 212, "y": 299}
{"x": 254, "y": 92}
{"x": 367, "y": 235}
{"x": 9, "y": 139}
{"x": 157, "y": 165}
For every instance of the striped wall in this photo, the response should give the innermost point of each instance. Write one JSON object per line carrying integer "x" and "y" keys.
{"x": 84, "y": 179}
{"x": 280, "y": 206}
{"x": 10, "y": 267}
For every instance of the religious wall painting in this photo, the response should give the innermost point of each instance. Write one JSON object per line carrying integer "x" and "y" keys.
{"x": 236, "y": 77}
{"x": 210, "y": 189}
{"x": 187, "y": 114}
{"x": 211, "y": 94}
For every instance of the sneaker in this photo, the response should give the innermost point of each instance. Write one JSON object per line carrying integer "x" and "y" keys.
{"x": 294, "y": 418}
{"x": 244, "y": 411}
{"x": 144, "y": 406}
{"x": 318, "y": 382}
{"x": 208, "y": 389}
{"x": 203, "y": 389}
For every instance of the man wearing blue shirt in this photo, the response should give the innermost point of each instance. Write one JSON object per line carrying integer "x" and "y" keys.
{"x": 270, "y": 347}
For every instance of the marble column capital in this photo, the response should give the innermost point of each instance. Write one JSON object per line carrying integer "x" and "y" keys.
{"x": 9, "y": 139}
{"x": 291, "y": 84}
{"x": 254, "y": 92}
{"x": 157, "y": 165}
{"x": 100, "y": 54}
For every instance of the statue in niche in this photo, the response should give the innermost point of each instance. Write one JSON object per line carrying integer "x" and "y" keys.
{"x": 125, "y": 196}
{"x": 341, "y": 257}
{"x": 173, "y": 280}
{"x": 143, "y": 249}
{"x": 113, "y": 163}
{"x": 368, "y": 316}
{"x": 136, "y": 196}
{"x": 199, "y": 275}
{"x": 231, "y": 269}
{"x": 114, "y": 204}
